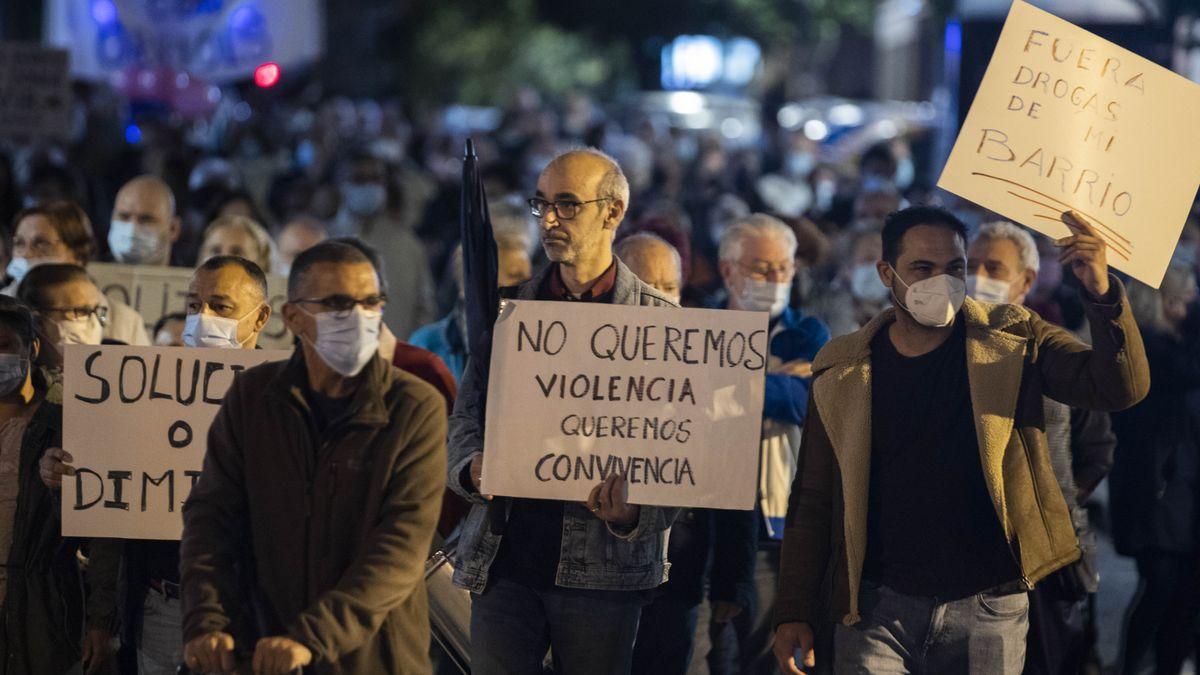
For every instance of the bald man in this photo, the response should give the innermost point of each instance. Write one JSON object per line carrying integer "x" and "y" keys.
{"x": 144, "y": 224}
{"x": 297, "y": 236}
{"x": 654, "y": 261}
{"x": 568, "y": 576}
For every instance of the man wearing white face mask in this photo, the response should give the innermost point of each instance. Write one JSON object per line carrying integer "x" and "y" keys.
{"x": 757, "y": 262}
{"x": 226, "y": 304}
{"x": 321, "y": 486}
{"x": 144, "y": 223}
{"x": 1002, "y": 264}
{"x": 70, "y": 311}
{"x": 927, "y": 494}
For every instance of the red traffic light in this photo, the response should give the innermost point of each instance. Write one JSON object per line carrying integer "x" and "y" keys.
{"x": 267, "y": 75}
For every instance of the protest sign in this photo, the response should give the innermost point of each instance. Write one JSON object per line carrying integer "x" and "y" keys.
{"x": 672, "y": 398}
{"x": 155, "y": 291}
{"x": 1066, "y": 120}
{"x": 35, "y": 91}
{"x": 136, "y": 421}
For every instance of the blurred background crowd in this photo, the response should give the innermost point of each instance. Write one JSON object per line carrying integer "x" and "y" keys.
{"x": 277, "y": 124}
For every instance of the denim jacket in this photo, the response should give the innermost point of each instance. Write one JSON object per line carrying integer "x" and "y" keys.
{"x": 594, "y": 556}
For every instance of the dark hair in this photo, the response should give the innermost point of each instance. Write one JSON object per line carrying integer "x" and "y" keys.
{"x": 17, "y": 318}
{"x": 39, "y": 279}
{"x": 879, "y": 153}
{"x": 899, "y": 222}
{"x": 162, "y": 322}
{"x": 372, "y": 256}
{"x": 252, "y": 270}
{"x": 221, "y": 199}
{"x": 332, "y": 252}
{"x": 69, "y": 221}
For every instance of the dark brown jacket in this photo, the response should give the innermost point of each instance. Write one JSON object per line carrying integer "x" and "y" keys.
{"x": 320, "y": 537}
{"x": 1013, "y": 359}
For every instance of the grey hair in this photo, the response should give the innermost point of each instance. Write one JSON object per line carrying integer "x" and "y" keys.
{"x": 1019, "y": 236}
{"x": 634, "y": 244}
{"x": 613, "y": 184}
{"x": 755, "y": 224}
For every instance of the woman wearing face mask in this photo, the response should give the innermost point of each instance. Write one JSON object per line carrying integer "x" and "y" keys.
{"x": 1155, "y": 481}
{"x": 60, "y": 232}
{"x": 69, "y": 310}
{"x": 40, "y": 582}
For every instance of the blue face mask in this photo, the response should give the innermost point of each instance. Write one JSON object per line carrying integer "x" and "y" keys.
{"x": 800, "y": 164}
{"x": 14, "y": 368}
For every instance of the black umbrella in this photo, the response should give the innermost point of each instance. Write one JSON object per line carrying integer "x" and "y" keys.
{"x": 479, "y": 261}
{"x": 479, "y": 287}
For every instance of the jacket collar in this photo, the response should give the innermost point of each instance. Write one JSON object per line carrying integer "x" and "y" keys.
{"x": 367, "y": 406}
{"x": 979, "y": 317}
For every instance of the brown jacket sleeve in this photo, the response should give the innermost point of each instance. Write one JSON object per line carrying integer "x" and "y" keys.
{"x": 1110, "y": 375}
{"x": 804, "y": 555}
{"x": 214, "y": 525}
{"x": 391, "y": 566}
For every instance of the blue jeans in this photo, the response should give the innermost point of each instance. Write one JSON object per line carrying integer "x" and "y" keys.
{"x": 588, "y": 632}
{"x": 899, "y": 633}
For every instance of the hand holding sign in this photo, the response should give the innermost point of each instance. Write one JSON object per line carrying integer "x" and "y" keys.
{"x": 54, "y": 465}
{"x": 610, "y": 502}
{"x": 1084, "y": 251}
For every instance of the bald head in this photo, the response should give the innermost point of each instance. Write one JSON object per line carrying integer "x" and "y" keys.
{"x": 609, "y": 180}
{"x": 654, "y": 261}
{"x": 144, "y": 224}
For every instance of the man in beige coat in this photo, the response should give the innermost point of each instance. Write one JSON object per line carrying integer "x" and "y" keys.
{"x": 925, "y": 505}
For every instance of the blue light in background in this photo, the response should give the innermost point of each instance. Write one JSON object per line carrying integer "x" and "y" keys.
{"x": 953, "y": 36}
{"x": 133, "y": 134}
{"x": 104, "y": 12}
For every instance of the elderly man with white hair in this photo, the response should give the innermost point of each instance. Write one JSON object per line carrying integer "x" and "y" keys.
{"x": 1002, "y": 264}
{"x": 757, "y": 262}
{"x": 1002, "y": 267}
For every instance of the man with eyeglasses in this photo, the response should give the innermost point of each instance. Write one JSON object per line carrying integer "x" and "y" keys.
{"x": 757, "y": 262}
{"x": 569, "y": 577}
{"x": 304, "y": 539}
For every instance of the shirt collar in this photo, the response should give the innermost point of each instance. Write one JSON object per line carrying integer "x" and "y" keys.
{"x": 602, "y": 286}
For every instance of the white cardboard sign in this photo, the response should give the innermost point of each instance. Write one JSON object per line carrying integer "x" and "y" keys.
{"x": 672, "y": 398}
{"x": 1066, "y": 120}
{"x": 135, "y": 420}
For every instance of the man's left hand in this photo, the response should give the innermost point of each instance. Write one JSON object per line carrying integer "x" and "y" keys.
{"x": 97, "y": 649}
{"x": 1085, "y": 252}
{"x": 279, "y": 656}
{"x": 610, "y": 502}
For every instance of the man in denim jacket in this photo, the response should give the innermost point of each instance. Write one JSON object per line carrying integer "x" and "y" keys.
{"x": 552, "y": 574}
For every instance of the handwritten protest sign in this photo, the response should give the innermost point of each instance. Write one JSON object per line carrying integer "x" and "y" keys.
{"x": 1066, "y": 120}
{"x": 136, "y": 421}
{"x": 155, "y": 291}
{"x": 35, "y": 91}
{"x": 672, "y": 398}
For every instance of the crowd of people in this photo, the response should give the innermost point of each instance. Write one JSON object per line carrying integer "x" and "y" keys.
{"x": 945, "y": 393}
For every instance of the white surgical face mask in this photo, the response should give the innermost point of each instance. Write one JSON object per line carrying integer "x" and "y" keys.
{"x": 986, "y": 289}
{"x": 207, "y": 330}
{"x": 764, "y": 296}
{"x": 14, "y": 368}
{"x": 934, "y": 301}
{"x": 865, "y": 284}
{"x": 85, "y": 331}
{"x": 134, "y": 244}
{"x": 347, "y": 345}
